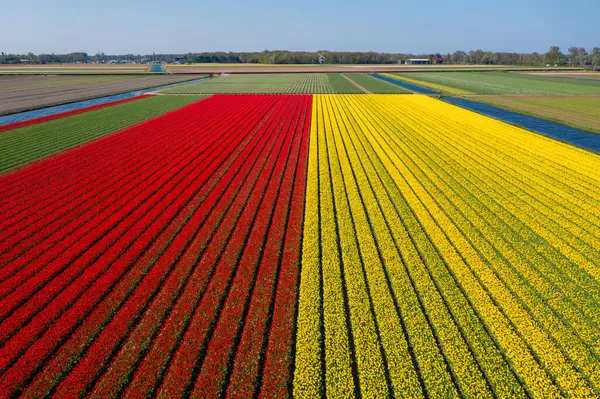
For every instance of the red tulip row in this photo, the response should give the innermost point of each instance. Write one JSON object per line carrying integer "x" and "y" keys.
{"x": 79, "y": 341}
{"x": 151, "y": 368}
{"x": 89, "y": 262}
{"x": 47, "y": 118}
{"x": 64, "y": 256}
{"x": 246, "y": 357}
{"x": 63, "y": 170}
{"x": 278, "y": 357}
{"x": 259, "y": 259}
{"x": 169, "y": 267}
{"x": 127, "y": 357}
{"x": 55, "y": 205}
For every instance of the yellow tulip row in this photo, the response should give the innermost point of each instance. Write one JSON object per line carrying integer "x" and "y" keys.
{"x": 567, "y": 160}
{"x": 492, "y": 192}
{"x": 573, "y": 169}
{"x": 432, "y": 274}
{"x": 526, "y": 204}
{"x": 485, "y": 284}
{"x": 575, "y": 207}
{"x": 434, "y": 240}
{"x": 308, "y": 380}
{"x": 465, "y": 371}
{"x": 442, "y": 256}
{"x": 523, "y": 284}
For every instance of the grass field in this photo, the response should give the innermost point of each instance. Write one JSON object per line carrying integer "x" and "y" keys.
{"x": 503, "y": 83}
{"x": 23, "y": 145}
{"x": 578, "y": 111}
{"x": 299, "y": 83}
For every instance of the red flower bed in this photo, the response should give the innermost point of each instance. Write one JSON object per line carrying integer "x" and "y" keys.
{"x": 151, "y": 260}
{"x": 110, "y": 336}
{"x": 278, "y": 357}
{"x": 222, "y": 347}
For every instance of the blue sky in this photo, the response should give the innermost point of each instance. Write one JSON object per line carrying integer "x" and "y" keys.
{"x": 417, "y": 26}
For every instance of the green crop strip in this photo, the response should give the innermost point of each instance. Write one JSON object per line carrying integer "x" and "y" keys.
{"x": 277, "y": 83}
{"x": 342, "y": 85}
{"x": 376, "y": 86}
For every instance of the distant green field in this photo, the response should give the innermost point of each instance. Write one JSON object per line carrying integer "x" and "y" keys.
{"x": 375, "y": 85}
{"x": 26, "y": 144}
{"x": 507, "y": 83}
{"x": 570, "y": 75}
{"x": 581, "y": 111}
{"x": 300, "y": 83}
{"x": 595, "y": 76}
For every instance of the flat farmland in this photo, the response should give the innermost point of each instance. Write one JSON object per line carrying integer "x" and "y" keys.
{"x": 179, "y": 273}
{"x": 365, "y": 68}
{"x": 74, "y": 69}
{"x": 29, "y": 143}
{"x": 433, "y": 242}
{"x": 300, "y": 83}
{"x": 576, "y": 75}
{"x": 578, "y": 111}
{"x": 272, "y": 245}
{"x": 22, "y": 93}
{"x": 501, "y": 83}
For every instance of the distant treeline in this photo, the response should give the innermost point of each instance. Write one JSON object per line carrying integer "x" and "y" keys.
{"x": 576, "y": 56}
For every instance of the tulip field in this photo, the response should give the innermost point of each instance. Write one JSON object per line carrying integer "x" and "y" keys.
{"x": 443, "y": 255}
{"x": 296, "y": 245}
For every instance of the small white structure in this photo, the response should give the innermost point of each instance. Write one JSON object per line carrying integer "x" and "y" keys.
{"x": 418, "y": 61}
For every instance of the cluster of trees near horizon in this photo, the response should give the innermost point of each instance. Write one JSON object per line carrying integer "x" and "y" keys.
{"x": 576, "y": 56}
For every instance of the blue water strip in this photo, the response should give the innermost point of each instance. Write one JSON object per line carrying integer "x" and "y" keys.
{"x": 577, "y": 137}
{"x": 409, "y": 86}
{"x": 157, "y": 69}
{"x": 37, "y": 113}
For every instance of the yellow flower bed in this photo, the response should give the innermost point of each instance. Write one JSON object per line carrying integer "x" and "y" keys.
{"x": 445, "y": 254}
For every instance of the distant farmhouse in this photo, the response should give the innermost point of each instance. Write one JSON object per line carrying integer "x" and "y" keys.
{"x": 418, "y": 61}
{"x": 432, "y": 59}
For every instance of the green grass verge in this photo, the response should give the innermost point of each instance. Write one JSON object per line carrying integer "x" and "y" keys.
{"x": 23, "y": 145}
{"x": 508, "y": 83}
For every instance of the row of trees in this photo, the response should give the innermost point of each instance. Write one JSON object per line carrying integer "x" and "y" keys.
{"x": 577, "y": 56}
